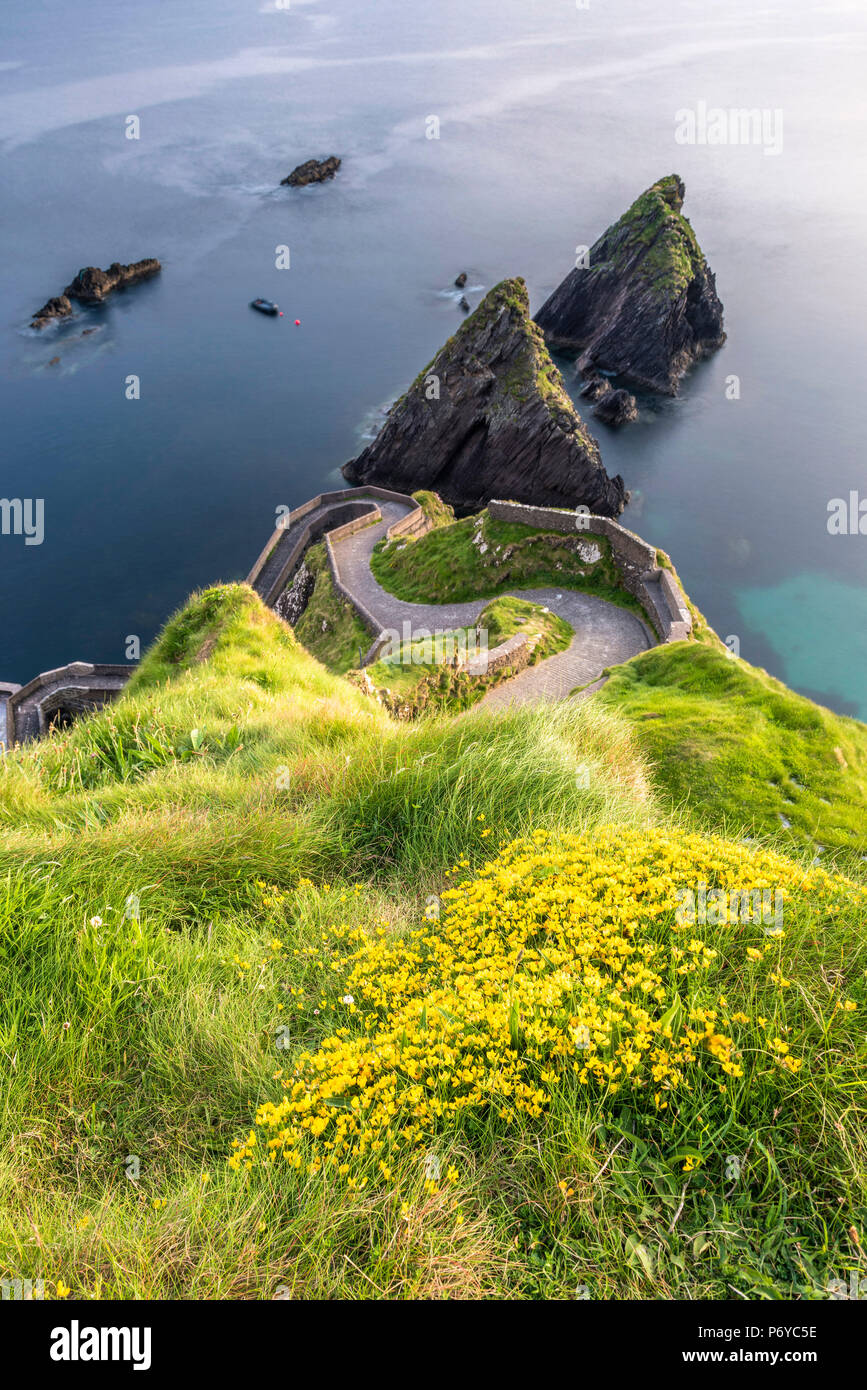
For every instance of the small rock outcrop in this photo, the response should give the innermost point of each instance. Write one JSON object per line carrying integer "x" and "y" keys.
{"x": 594, "y": 386}
{"x": 490, "y": 417}
{"x": 616, "y": 407}
{"x": 60, "y": 307}
{"x": 461, "y": 280}
{"x": 295, "y": 597}
{"x": 91, "y": 285}
{"x": 312, "y": 171}
{"x": 646, "y": 307}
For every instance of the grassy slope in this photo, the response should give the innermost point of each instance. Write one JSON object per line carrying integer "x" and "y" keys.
{"x": 438, "y": 512}
{"x": 427, "y": 685}
{"x": 329, "y": 627}
{"x": 261, "y": 810}
{"x": 233, "y": 761}
{"x": 447, "y": 566}
{"x": 738, "y": 749}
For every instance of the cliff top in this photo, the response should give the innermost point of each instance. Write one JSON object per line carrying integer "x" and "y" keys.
{"x": 652, "y": 239}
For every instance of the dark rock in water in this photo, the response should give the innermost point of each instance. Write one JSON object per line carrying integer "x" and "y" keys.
{"x": 91, "y": 285}
{"x": 312, "y": 171}
{"x": 464, "y": 304}
{"x": 594, "y": 386}
{"x": 57, "y": 308}
{"x": 86, "y": 331}
{"x": 646, "y": 308}
{"x": 490, "y": 417}
{"x": 54, "y": 361}
{"x": 461, "y": 280}
{"x": 616, "y": 407}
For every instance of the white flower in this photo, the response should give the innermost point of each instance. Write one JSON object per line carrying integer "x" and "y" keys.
{"x": 96, "y": 921}
{"x": 347, "y": 999}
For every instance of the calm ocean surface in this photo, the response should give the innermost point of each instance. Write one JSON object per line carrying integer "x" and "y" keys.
{"x": 552, "y": 120}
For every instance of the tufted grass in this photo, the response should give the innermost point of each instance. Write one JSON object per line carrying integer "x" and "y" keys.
{"x": 239, "y": 794}
{"x": 734, "y": 748}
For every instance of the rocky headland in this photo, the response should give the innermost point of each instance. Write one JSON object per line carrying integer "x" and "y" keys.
{"x": 490, "y": 417}
{"x": 91, "y": 285}
{"x": 646, "y": 307}
{"x": 312, "y": 171}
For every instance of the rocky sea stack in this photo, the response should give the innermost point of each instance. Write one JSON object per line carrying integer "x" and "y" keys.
{"x": 312, "y": 171}
{"x": 646, "y": 307}
{"x": 91, "y": 285}
{"x": 490, "y": 417}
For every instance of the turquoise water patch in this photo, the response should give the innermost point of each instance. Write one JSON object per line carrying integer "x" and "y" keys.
{"x": 818, "y": 629}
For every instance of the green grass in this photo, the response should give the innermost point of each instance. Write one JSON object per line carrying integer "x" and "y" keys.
{"x": 329, "y": 627}
{"x": 740, "y": 751}
{"x": 448, "y": 565}
{"x": 240, "y": 795}
{"x": 421, "y": 677}
{"x": 438, "y": 512}
{"x": 671, "y": 253}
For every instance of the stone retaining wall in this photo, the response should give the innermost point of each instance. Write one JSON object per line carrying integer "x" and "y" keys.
{"x": 308, "y": 535}
{"x": 514, "y": 651}
{"x": 656, "y": 588}
{"x": 7, "y": 689}
{"x": 363, "y": 612}
{"x": 415, "y": 523}
{"x": 78, "y": 684}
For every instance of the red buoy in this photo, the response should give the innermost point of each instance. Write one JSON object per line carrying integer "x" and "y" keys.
{"x": 297, "y": 323}
{"x": 281, "y": 313}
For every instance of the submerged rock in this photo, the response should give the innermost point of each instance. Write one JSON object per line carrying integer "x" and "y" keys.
{"x": 490, "y": 417}
{"x": 646, "y": 307}
{"x": 312, "y": 171}
{"x": 57, "y": 308}
{"x": 91, "y": 285}
{"x": 616, "y": 407}
{"x": 594, "y": 386}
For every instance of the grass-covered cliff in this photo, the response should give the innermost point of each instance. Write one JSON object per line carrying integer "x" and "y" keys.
{"x": 644, "y": 305}
{"x": 298, "y": 997}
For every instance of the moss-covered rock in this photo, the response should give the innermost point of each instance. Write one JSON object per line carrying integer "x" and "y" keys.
{"x": 646, "y": 307}
{"x": 490, "y": 417}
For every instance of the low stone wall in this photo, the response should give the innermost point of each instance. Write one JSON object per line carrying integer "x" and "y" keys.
{"x": 512, "y": 654}
{"x": 322, "y": 499}
{"x": 414, "y": 524}
{"x": 80, "y": 685}
{"x": 363, "y": 612}
{"x": 656, "y": 588}
{"x": 78, "y": 699}
{"x": 7, "y": 689}
{"x": 513, "y": 651}
{"x": 364, "y": 510}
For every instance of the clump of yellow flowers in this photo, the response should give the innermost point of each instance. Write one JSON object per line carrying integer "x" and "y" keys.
{"x": 559, "y": 965}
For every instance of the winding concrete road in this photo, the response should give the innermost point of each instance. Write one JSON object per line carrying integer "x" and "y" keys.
{"x": 604, "y": 633}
